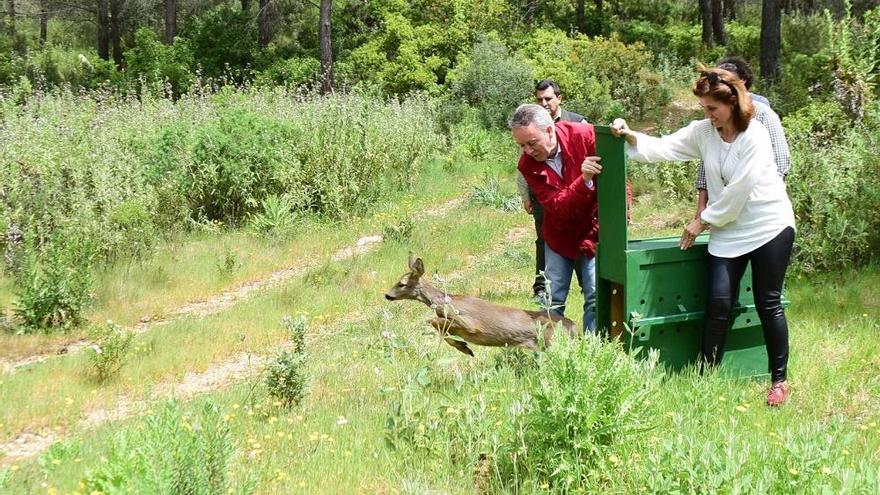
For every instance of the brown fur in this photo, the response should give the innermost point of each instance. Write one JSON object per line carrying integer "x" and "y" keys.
{"x": 465, "y": 319}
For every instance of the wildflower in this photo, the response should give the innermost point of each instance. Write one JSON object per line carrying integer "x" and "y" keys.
{"x": 341, "y": 421}
{"x": 826, "y": 470}
{"x": 740, "y": 408}
{"x": 722, "y": 398}
{"x": 55, "y": 462}
{"x": 793, "y": 471}
{"x": 235, "y": 406}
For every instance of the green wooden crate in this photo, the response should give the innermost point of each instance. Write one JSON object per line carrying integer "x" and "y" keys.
{"x": 651, "y": 294}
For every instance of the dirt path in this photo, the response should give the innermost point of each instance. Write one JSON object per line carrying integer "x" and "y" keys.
{"x": 218, "y": 376}
{"x": 227, "y": 299}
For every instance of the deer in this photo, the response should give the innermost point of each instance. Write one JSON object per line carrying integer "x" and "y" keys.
{"x": 461, "y": 320}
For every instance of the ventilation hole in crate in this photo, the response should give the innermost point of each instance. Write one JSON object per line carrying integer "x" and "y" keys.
{"x": 642, "y": 302}
{"x": 678, "y": 298}
{"x": 661, "y": 299}
{"x": 748, "y": 289}
{"x": 748, "y": 320}
{"x": 643, "y": 334}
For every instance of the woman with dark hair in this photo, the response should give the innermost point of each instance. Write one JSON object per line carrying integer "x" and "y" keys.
{"x": 749, "y": 214}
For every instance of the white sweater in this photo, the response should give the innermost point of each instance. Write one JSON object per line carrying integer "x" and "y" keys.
{"x": 748, "y": 205}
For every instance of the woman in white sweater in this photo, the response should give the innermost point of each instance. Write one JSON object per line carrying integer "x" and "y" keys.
{"x": 749, "y": 214}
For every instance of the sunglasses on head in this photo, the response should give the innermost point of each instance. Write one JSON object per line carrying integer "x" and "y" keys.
{"x": 714, "y": 78}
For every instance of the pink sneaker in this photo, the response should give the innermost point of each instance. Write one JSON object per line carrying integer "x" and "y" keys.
{"x": 778, "y": 394}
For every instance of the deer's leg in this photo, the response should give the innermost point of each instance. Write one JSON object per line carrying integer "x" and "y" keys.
{"x": 443, "y": 326}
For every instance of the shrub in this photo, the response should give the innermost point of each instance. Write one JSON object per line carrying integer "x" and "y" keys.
{"x": 406, "y": 56}
{"x": 277, "y": 217}
{"x": 830, "y": 160}
{"x": 491, "y": 194}
{"x": 493, "y": 80}
{"x": 111, "y": 344}
{"x": 286, "y": 376}
{"x": 593, "y": 73}
{"x": 586, "y": 397}
{"x": 156, "y": 64}
{"x": 226, "y": 40}
{"x": 399, "y": 231}
{"x": 536, "y": 424}
{"x": 234, "y": 161}
{"x": 170, "y": 452}
{"x": 54, "y": 287}
{"x": 296, "y": 71}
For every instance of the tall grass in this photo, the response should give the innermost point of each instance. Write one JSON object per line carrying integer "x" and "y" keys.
{"x": 121, "y": 172}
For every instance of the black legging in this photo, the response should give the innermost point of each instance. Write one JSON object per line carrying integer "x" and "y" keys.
{"x": 769, "y": 263}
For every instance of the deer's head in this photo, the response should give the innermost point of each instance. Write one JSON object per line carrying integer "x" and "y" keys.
{"x": 408, "y": 286}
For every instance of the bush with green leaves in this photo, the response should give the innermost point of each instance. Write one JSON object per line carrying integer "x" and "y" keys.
{"x": 225, "y": 39}
{"x": 278, "y": 215}
{"x": 493, "y": 80}
{"x": 491, "y": 193}
{"x": 110, "y": 346}
{"x": 286, "y": 376}
{"x": 54, "y": 287}
{"x": 543, "y": 424}
{"x": 586, "y": 398}
{"x": 76, "y": 69}
{"x": 831, "y": 160}
{"x": 155, "y": 64}
{"x": 296, "y": 72}
{"x": 406, "y": 55}
{"x": 170, "y": 451}
{"x": 594, "y": 73}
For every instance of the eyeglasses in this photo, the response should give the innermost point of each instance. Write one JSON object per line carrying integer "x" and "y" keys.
{"x": 714, "y": 78}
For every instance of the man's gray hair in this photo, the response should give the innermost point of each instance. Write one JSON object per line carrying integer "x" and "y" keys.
{"x": 528, "y": 114}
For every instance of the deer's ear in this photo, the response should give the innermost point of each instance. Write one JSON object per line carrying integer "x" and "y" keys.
{"x": 418, "y": 268}
{"x": 411, "y": 261}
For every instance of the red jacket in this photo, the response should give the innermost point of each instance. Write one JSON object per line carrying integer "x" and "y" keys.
{"x": 571, "y": 222}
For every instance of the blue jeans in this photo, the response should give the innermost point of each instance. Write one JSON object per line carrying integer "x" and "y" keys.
{"x": 558, "y": 272}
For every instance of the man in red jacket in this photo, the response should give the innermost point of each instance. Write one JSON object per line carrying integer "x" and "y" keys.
{"x": 559, "y": 162}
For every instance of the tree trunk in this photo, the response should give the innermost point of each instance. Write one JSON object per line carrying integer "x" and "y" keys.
{"x": 170, "y": 21}
{"x": 581, "y": 17}
{"x": 718, "y": 22}
{"x": 531, "y": 8}
{"x": 730, "y": 10}
{"x": 326, "y": 47}
{"x": 10, "y": 24}
{"x": 116, "y": 32}
{"x": 245, "y": 4}
{"x": 103, "y": 30}
{"x": 263, "y": 24}
{"x": 706, "y": 16}
{"x": 44, "y": 22}
{"x": 771, "y": 21}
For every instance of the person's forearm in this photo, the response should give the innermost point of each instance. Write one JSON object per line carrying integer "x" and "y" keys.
{"x": 702, "y": 201}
